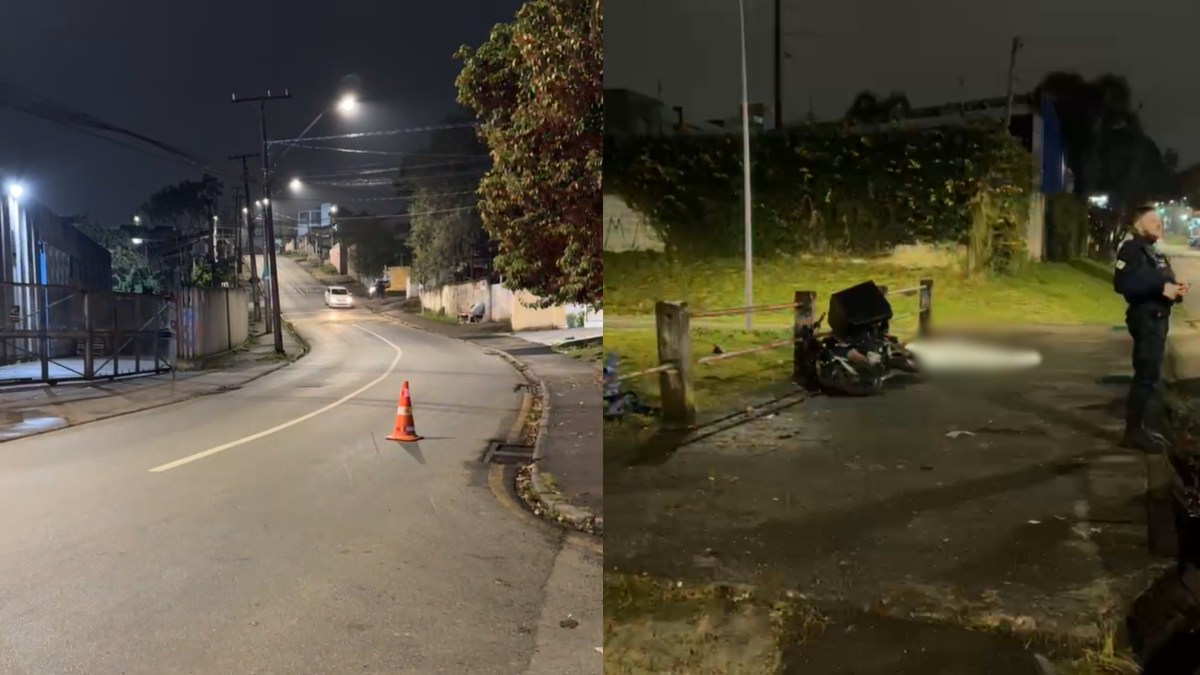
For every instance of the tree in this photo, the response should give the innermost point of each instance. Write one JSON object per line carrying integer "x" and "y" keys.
{"x": 1107, "y": 148}
{"x": 536, "y": 87}
{"x": 371, "y": 240}
{"x": 447, "y": 235}
{"x": 186, "y": 209}
{"x": 132, "y": 269}
{"x": 868, "y": 108}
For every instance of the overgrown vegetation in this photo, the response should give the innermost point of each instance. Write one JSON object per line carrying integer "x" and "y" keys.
{"x": 536, "y": 87}
{"x": 824, "y": 190}
{"x": 1067, "y": 227}
{"x": 373, "y": 242}
{"x": 448, "y": 241}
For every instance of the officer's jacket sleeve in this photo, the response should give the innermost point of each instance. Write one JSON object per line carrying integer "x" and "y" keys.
{"x": 1136, "y": 277}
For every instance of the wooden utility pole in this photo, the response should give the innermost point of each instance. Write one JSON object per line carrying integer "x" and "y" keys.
{"x": 268, "y": 213}
{"x": 249, "y": 214}
{"x": 1012, "y": 74}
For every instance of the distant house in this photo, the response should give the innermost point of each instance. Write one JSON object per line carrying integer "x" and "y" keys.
{"x": 629, "y": 113}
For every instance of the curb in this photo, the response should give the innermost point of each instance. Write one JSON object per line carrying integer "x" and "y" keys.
{"x": 541, "y": 496}
{"x": 549, "y": 501}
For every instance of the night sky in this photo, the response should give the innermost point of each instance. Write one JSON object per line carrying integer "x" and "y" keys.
{"x": 167, "y": 69}
{"x": 837, "y": 48}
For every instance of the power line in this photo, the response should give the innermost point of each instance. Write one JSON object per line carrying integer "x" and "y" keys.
{"x": 375, "y": 134}
{"x": 408, "y": 214}
{"x": 385, "y": 153}
{"x": 402, "y": 198}
{"x": 396, "y": 168}
{"x": 57, "y": 113}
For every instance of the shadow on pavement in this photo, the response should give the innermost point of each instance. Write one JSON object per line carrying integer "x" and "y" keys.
{"x": 414, "y": 450}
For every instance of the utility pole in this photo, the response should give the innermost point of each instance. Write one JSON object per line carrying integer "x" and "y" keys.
{"x": 237, "y": 236}
{"x": 268, "y": 214}
{"x": 250, "y": 234}
{"x": 212, "y": 258}
{"x": 778, "y": 65}
{"x": 1012, "y": 74}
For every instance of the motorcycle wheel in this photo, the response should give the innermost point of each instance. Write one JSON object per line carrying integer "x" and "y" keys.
{"x": 837, "y": 380}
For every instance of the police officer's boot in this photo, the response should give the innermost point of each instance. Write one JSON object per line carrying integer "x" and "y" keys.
{"x": 1138, "y": 437}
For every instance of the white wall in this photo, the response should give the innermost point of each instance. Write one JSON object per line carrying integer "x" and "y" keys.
{"x": 211, "y": 320}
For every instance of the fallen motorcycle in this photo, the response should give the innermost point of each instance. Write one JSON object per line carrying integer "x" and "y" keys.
{"x": 838, "y": 368}
{"x": 892, "y": 353}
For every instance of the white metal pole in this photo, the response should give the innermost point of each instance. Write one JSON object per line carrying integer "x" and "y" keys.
{"x": 749, "y": 281}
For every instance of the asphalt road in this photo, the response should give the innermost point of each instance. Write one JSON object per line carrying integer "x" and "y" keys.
{"x": 273, "y": 529}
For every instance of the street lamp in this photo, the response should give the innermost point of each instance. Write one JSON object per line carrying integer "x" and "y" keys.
{"x": 348, "y": 105}
{"x": 137, "y": 220}
{"x": 16, "y": 190}
{"x": 138, "y": 241}
{"x": 748, "y": 281}
{"x": 295, "y": 185}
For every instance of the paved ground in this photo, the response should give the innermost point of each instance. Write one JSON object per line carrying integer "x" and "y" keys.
{"x": 272, "y": 529}
{"x": 998, "y": 501}
{"x": 29, "y": 410}
{"x": 573, "y": 450}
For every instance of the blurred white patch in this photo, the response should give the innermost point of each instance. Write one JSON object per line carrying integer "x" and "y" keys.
{"x": 962, "y": 356}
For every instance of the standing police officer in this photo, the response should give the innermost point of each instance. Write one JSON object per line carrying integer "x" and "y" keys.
{"x": 1144, "y": 277}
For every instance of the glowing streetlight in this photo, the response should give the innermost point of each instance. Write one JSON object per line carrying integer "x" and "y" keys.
{"x": 16, "y": 190}
{"x": 333, "y": 209}
{"x": 295, "y": 185}
{"x": 348, "y": 105}
{"x": 138, "y": 241}
{"x": 245, "y": 209}
{"x": 137, "y": 220}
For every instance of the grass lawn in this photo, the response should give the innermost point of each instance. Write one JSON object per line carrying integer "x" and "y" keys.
{"x": 1052, "y": 293}
{"x": 438, "y": 316}
{"x": 589, "y": 352}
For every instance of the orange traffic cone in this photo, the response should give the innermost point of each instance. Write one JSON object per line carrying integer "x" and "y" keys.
{"x": 405, "y": 430}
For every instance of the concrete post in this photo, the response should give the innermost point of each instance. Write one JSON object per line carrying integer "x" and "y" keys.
{"x": 925, "y": 317}
{"x": 802, "y": 321}
{"x": 674, "y": 349}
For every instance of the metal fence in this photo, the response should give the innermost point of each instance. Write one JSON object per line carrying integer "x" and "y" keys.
{"x": 58, "y": 333}
{"x": 676, "y": 364}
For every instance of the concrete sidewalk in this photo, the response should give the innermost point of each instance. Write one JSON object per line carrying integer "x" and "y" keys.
{"x": 569, "y": 457}
{"x": 27, "y": 411}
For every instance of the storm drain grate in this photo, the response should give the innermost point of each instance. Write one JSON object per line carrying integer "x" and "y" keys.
{"x": 507, "y": 453}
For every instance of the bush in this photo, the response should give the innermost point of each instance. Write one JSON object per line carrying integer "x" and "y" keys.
{"x": 827, "y": 191}
{"x": 1067, "y": 227}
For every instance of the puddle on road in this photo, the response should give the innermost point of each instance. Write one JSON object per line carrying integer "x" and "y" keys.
{"x": 24, "y": 424}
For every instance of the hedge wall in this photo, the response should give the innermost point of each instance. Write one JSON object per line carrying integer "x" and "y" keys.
{"x": 826, "y": 190}
{"x": 1067, "y": 227}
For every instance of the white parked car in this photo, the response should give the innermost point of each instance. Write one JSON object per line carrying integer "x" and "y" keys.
{"x": 338, "y": 296}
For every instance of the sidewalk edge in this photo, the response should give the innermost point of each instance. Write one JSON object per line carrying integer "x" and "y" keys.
{"x": 549, "y": 501}
{"x": 152, "y": 406}
{"x": 162, "y": 404}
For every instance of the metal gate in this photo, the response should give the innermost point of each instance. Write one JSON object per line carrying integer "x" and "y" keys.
{"x": 58, "y": 334}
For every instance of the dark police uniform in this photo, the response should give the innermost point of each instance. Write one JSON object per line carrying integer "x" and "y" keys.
{"x": 1141, "y": 272}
